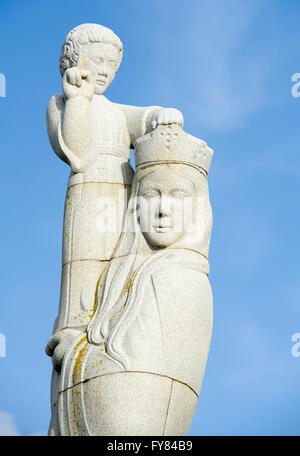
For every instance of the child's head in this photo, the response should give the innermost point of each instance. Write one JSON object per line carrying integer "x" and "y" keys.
{"x": 95, "y": 48}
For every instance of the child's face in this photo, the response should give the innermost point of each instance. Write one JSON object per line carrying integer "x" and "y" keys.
{"x": 102, "y": 60}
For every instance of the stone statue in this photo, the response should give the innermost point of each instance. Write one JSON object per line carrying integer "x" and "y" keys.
{"x": 130, "y": 343}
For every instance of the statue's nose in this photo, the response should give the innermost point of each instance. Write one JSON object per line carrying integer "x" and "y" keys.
{"x": 164, "y": 206}
{"x": 103, "y": 70}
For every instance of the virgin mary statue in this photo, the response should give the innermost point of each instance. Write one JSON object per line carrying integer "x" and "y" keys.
{"x": 137, "y": 368}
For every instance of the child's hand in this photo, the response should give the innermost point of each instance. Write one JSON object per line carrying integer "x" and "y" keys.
{"x": 167, "y": 116}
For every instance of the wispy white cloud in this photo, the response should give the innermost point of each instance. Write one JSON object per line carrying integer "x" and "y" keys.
{"x": 39, "y": 433}
{"x": 8, "y": 425}
{"x": 245, "y": 231}
{"x": 218, "y": 74}
{"x": 231, "y": 77}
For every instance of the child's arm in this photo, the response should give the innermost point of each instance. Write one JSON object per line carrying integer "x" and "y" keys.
{"x": 142, "y": 120}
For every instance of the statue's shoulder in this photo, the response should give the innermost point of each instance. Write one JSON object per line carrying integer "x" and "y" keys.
{"x": 180, "y": 278}
{"x": 180, "y": 289}
{"x": 100, "y": 101}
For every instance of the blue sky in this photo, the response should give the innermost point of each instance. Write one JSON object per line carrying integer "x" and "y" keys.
{"x": 227, "y": 66}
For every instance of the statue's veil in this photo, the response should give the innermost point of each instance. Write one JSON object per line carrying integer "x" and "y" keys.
{"x": 128, "y": 255}
{"x": 133, "y": 254}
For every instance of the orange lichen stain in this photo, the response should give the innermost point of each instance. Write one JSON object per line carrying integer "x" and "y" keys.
{"x": 130, "y": 282}
{"x": 128, "y": 285}
{"x": 83, "y": 318}
{"x": 78, "y": 363}
{"x": 122, "y": 300}
{"x": 98, "y": 295}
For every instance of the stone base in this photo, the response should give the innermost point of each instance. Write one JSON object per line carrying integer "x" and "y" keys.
{"x": 127, "y": 404}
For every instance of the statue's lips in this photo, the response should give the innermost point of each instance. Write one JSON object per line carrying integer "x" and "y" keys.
{"x": 101, "y": 81}
{"x": 162, "y": 229}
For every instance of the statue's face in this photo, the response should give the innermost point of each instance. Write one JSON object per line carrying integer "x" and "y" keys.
{"x": 165, "y": 201}
{"x": 102, "y": 60}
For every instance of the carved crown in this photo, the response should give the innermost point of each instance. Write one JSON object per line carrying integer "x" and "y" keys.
{"x": 170, "y": 144}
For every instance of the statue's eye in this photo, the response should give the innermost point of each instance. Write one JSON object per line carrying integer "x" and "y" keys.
{"x": 180, "y": 194}
{"x": 97, "y": 60}
{"x": 150, "y": 194}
